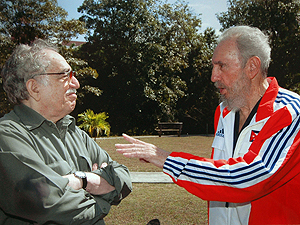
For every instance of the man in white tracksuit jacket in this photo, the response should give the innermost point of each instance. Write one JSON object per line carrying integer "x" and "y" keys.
{"x": 253, "y": 176}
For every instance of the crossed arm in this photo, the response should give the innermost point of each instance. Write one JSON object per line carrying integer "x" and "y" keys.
{"x": 96, "y": 185}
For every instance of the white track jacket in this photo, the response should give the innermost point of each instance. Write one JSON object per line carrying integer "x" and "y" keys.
{"x": 260, "y": 183}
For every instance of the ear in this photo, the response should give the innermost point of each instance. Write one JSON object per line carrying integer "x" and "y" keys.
{"x": 33, "y": 89}
{"x": 253, "y": 66}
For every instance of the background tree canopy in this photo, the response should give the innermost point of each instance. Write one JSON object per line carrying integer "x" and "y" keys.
{"x": 148, "y": 54}
{"x": 146, "y": 60}
{"x": 24, "y": 20}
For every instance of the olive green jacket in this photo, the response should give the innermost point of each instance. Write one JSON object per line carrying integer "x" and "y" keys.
{"x": 34, "y": 155}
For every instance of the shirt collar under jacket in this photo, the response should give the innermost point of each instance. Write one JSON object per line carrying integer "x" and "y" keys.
{"x": 32, "y": 119}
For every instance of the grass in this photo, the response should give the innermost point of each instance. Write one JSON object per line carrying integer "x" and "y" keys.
{"x": 169, "y": 203}
{"x": 197, "y": 145}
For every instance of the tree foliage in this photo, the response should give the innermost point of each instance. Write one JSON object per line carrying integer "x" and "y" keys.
{"x": 141, "y": 49}
{"x": 24, "y": 20}
{"x": 201, "y": 98}
{"x": 280, "y": 20}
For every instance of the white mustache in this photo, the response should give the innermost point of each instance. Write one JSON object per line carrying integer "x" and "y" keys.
{"x": 219, "y": 85}
{"x": 71, "y": 91}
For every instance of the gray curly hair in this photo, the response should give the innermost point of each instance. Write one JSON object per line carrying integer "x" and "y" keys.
{"x": 251, "y": 41}
{"x": 22, "y": 65}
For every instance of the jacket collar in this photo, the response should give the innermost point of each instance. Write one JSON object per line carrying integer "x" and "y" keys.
{"x": 266, "y": 106}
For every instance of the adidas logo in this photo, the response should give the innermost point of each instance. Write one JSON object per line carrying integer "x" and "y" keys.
{"x": 220, "y": 133}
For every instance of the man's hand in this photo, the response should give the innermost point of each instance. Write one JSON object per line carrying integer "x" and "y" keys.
{"x": 74, "y": 182}
{"x": 96, "y": 185}
{"x": 142, "y": 150}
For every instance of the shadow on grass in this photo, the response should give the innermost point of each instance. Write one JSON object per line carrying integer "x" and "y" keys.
{"x": 169, "y": 203}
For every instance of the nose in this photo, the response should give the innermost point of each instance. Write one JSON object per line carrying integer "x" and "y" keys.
{"x": 215, "y": 76}
{"x": 74, "y": 83}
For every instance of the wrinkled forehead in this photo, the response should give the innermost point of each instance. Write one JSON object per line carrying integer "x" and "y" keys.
{"x": 226, "y": 50}
{"x": 54, "y": 60}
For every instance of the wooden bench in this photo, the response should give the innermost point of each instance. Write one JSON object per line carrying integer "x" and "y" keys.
{"x": 169, "y": 127}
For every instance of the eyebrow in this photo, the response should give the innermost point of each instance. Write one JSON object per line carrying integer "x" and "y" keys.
{"x": 217, "y": 63}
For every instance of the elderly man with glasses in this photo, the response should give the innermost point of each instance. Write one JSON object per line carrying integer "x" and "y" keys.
{"x": 51, "y": 171}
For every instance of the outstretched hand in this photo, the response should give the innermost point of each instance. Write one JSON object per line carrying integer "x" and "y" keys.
{"x": 143, "y": 150}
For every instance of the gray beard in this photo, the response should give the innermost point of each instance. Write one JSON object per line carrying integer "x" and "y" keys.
{"x": 232, "y": 104}
{"x": 239, "y": 94}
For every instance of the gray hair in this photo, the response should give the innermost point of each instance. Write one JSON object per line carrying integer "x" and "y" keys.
{"x": 22, "y": 65}
{"x": 250, "y": 41}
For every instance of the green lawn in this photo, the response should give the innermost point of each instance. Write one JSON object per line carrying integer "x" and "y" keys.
{"x": 169, "y": 203}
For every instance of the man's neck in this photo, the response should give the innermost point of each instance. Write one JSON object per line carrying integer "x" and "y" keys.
{"x": 256, "y": 95}
{"x": 32, "y": 104}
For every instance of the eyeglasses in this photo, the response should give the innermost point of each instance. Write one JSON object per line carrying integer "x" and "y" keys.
{"x": 70, "y": 74}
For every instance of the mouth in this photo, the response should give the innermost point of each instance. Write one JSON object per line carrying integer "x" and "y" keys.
{"x": 221, "y": 88}
{"x": 71, "y": 91}
{"x": 71, "y": 94}
{"x": 222, "y": 91}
